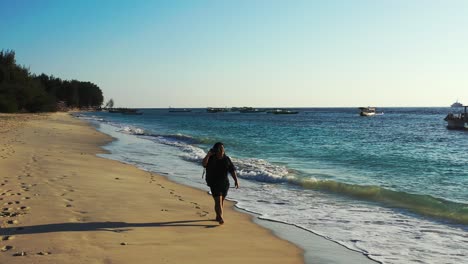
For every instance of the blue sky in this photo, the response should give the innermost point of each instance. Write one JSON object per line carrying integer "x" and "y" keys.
{"x": 248, "y": 53}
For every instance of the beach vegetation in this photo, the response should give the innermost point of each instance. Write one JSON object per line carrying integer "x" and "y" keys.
{"x": 109, "y": 104}
{"x": 22, "y": 91}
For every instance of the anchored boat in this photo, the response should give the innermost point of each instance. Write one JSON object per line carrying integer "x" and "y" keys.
{"x": 282, "y": 112}
{"x": 457, "y": 104}
{"x": 179, "y": 110}
{"x": 368, "y": 111}
{"x": 125, "y": 111}
{"x": 457, "y": 121}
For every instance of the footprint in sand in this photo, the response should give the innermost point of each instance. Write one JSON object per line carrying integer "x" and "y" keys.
{"x": 77, "y": 219}
{"x": 9, "y": 214}
{"x": 6, "y": 248}
{"x": 202, "y": 213}
{"x": 9, "y": 203}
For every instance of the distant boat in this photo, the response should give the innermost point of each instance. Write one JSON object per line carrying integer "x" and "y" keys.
{"x": 368, "y": 111}
{"x": 125, "y": 111}
{"x": 179, "y": 110}
{"x": 457, "y": 121}
{"x": 217, "y": 110}
{"x": 457, "y": 104}
{"x": 132, "y": 113}
{"x": 250, "y": 110}
{"x": 282, "y": 112}
{"x": 128, "y": 111}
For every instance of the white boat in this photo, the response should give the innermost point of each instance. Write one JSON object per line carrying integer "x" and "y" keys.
{"x": 217, "y": 110}
{"x": 457, "y": 121}
{"x": 367, "y": 111}
{"x": 250, "y": 110}
{"x": 282, "y": 112}
{"x": 179, "y": 110}
{"x": 457, "y": 104}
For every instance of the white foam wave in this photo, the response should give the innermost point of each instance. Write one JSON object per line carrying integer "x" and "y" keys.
{"x": 90, "y": 118}
{"x": 252, "y": 169}
{"x": 261, "y": 170}
{"x": 132, "y": 130}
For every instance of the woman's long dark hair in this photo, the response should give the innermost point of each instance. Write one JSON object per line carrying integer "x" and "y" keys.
{"x": 217, "y": 146}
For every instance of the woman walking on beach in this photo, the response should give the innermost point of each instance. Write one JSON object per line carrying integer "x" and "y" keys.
{"x": 217, "y": 166}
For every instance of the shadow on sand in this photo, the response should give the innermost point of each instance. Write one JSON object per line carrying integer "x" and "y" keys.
{"x": 117, "y": 227}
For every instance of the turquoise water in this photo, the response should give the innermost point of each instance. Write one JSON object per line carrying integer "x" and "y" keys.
{"x": 403, "y": 165}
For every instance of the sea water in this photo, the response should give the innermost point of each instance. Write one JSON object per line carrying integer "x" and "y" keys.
{"x": 392, "y": 186}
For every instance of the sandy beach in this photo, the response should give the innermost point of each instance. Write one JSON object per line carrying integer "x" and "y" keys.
{"x": 63, "y": 204}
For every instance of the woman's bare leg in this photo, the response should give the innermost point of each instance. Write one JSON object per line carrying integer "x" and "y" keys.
{"x": 219, "y": 208}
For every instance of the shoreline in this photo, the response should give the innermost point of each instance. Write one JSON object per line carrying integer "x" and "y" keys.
{"x": 316, "y": 247}
{"x": 65, "y": 204}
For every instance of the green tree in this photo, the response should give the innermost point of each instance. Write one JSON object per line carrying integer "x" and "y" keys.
{"x": 22, "y": 91}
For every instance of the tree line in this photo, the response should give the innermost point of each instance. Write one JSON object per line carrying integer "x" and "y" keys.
{"x": 21, "y": 91}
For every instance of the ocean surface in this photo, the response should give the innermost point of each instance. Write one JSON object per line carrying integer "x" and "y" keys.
{"x": 392, "y": 186}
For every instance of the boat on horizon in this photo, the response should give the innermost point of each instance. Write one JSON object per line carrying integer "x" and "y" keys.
{"x": 282, "y": 112}
{"x": 124, "y": 111}
{"x": 250, "y": 110}
{"x": 179, "y": 110}
{"x": 368, "y": 111}
{"x": 457, "y": 121}
{"x": 217, "y": 109}
{"x": 457, "y": 104}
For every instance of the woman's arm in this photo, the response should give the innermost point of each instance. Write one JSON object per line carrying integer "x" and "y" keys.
{"x": 206, "y": 159}
{"x": 232, "y": 171}
{"x": 234, "y": 176}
